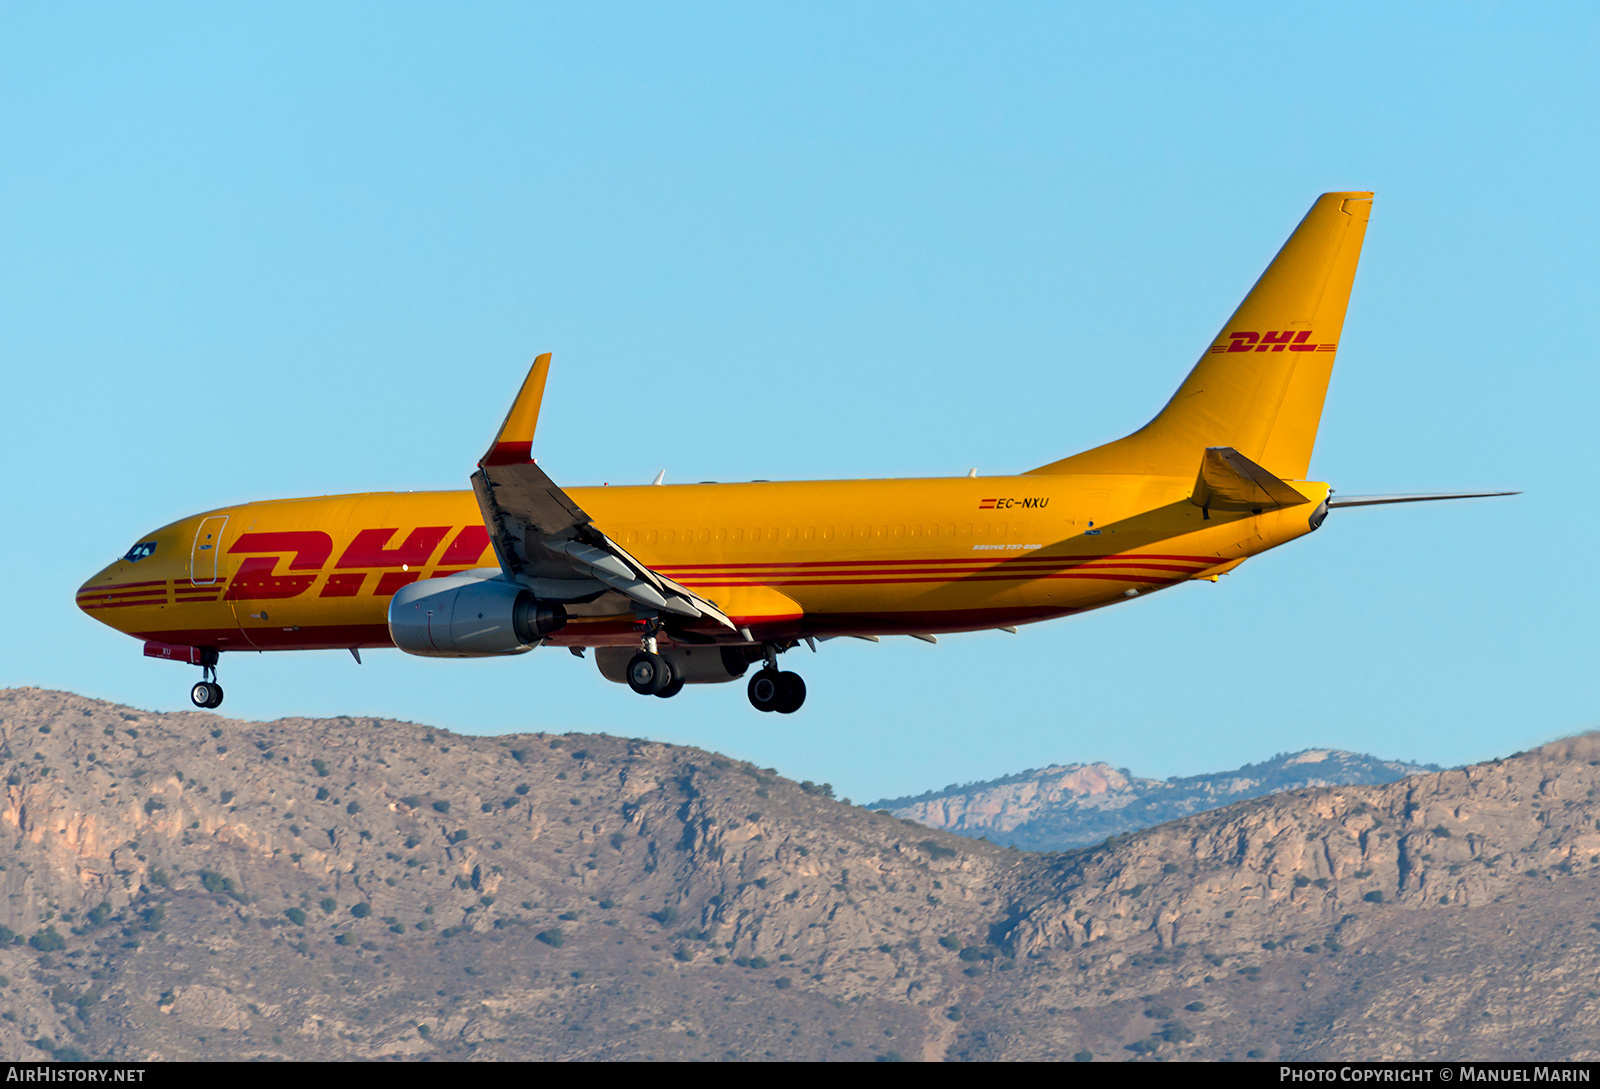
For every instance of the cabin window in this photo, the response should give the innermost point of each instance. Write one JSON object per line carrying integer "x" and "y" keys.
{"x": 915, "y": 532}
{"x": 735, "y": 535}
{"x": 827, "y": 533}
{"x": 140, "y": 551}
{"x": 811, "y": 533}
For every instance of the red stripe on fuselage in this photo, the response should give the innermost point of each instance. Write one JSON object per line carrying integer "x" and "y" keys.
{"x": 697, "y": 584}
{"x": 1030, "y": 558}
{"x": 132, "y": 595}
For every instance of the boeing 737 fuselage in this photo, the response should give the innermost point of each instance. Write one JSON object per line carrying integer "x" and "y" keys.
{"x": 687, "y": 584}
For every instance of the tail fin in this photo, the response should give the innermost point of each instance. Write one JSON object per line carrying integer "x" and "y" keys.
{"x": 1259, "y": 387}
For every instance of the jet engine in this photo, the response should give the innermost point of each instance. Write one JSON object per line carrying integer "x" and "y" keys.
{"x": 470, "y": 615}
{"x": 693, "y": 665}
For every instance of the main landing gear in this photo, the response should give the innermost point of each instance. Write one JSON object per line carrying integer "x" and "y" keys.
{"x": 776, "y": 690}
{"x": 649, "y": 673}
{"x": 208, "y": 693}
{"x": 772, "y": 690}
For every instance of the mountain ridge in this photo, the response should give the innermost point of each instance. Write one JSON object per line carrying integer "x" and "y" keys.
{"x": 189, "y": 886}
{"x": 1075, "y": 805}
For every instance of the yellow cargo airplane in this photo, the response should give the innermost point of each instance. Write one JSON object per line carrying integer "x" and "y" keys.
{"x": 689, "y": 584}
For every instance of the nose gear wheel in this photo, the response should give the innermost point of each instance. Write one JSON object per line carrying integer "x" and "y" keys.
{"x": 207, "y": 694}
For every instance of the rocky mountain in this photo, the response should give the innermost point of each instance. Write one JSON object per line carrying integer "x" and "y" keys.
{"x": 1075, "y": 805}
{"x": 189, "y": 886}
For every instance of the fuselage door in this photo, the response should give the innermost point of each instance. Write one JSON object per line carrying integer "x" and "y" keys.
{"x": 207, "y": 542}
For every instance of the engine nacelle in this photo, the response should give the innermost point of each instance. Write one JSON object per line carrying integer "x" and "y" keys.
{"x": 696, "y": 665}
{"x": 470, "y": 615}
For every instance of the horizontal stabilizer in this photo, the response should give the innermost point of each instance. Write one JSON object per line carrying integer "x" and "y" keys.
{"x": 1426, "y": 497}
{"x": 1229, "y": 481}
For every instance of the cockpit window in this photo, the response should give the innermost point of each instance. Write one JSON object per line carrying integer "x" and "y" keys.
{"x": 140, "y": 551}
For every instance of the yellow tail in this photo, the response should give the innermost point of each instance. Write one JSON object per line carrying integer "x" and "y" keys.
{"x": 1259, "y": 387}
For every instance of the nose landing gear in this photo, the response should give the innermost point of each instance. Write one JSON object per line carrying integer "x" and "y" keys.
{"x": 208, "y": 693}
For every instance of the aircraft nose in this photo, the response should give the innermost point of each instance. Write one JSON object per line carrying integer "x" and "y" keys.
{"x": 125, "y": 590}
{"x": 95, "y": 589}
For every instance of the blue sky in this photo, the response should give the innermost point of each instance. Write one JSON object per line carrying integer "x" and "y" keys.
{"x": 266, "y": 250}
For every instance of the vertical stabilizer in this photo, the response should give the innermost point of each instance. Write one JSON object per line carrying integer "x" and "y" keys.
{"x": 1260, "y": 385}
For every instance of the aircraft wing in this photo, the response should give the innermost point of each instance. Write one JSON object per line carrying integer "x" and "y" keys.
{"x": 546, "y": 542}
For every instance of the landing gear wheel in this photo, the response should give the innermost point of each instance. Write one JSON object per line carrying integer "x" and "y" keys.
{"x": 763, "y": 690}
{"x": 673, "y": 686}
{"x": 648, "y": 673}
{"x": 206, "y": 694}
{"x": 791, "y": 693}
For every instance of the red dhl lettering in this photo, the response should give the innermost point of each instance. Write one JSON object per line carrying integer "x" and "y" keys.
{"x": 311, "y": 547}
{"x": 256, "y": 580}
{"x": 1272, "y": 341}
{"x": 468, "y": 547}
{"x": 257, "y": 577}
{"x": 370, "y": 548}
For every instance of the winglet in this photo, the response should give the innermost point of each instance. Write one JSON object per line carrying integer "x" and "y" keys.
{"x": 514, "y": 443}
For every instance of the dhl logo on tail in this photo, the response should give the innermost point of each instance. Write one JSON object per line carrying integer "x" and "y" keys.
{"x": 1272, "y": 342}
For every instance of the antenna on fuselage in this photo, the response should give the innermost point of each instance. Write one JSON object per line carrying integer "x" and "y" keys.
{"x": 661, "y": 477}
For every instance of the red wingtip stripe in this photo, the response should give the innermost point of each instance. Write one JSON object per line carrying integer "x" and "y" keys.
{"x": 510, "y": 453}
